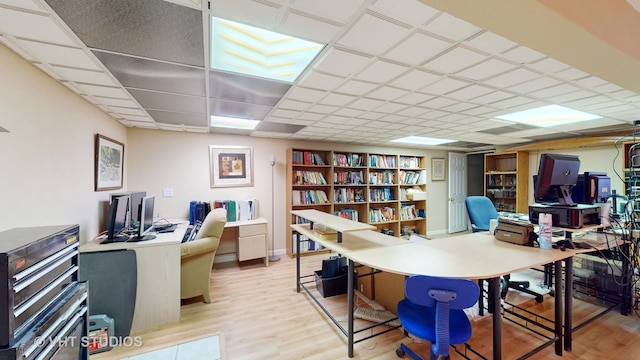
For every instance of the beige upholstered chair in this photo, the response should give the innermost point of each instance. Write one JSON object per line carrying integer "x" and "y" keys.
{"x": 196, "y": 256}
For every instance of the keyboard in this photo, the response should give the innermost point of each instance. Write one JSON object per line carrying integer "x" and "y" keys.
{"x": 191, "y": 232}
{"x": 376, "y": 316}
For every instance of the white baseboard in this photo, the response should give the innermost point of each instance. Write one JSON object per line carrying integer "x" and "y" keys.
{"x": 234, "y": 258}
{"x": 438, "y": 232}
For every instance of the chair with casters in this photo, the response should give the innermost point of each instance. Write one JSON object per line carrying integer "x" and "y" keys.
{"x": 196, "y": 256}
{"x": 432, "y": 310}
{"x": 481, "y": 210}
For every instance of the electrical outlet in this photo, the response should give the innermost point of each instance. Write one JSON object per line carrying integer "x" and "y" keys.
{"x": 167, "y": 192}
{"x": 361, "y": 287}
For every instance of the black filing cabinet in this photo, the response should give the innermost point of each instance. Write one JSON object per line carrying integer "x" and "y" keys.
{"x": 43, "y": 306}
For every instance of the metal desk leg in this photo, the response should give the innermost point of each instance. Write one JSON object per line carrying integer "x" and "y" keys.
{"x": 298, "y": 262}
{"x": 568, "y": 302}
{"x": 494, "y": 294}
{"x": 350, "y": 308}
{"x": 557, "y": 301}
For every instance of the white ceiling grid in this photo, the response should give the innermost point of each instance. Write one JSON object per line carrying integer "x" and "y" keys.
{"x": 390, "y": 69}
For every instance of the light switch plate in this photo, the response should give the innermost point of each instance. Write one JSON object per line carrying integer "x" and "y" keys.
{"x": 167, "y": 192}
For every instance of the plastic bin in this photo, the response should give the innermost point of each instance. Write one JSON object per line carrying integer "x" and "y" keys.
{"x": 331, "y": 286}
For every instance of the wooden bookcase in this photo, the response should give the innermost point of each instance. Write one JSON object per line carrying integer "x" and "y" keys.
{"x": 385, "y": 190}
{"x": 506, "y": 180}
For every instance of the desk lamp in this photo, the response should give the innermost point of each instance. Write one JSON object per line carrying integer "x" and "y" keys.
{"x": 273, "y": 256}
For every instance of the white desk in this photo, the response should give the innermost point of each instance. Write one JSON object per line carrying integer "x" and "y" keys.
{"x": 246, "y": 239}
{"x": 158, "y": 264}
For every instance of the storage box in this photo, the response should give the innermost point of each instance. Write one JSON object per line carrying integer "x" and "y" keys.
{"x": 417, "y": 196}
{"x": 100, "y": 333}
{"x": 331, "y": 286}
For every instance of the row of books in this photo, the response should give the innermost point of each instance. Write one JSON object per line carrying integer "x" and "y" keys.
{"x": 348, "y": 177}
{"x": 382, "y": 161}
{"x": 409, "y": 162}
{"x": 350, "y": 214}
{"x": 382, "y": 214}
{"x": 408, "y": 212}
{"x": 307, "y": 158}
{"x": 381, "y": 194}
{"x": 345, "y": 195}
{"x": 348, "y": 159}
{"x": 305, "y": 244}
{"x": 382, "y": 177}
{"x": 309, "y": 178}
{"x": 237, "y": 210}
{"x": 308, "y": 197}
{"x": 409, "y": 177}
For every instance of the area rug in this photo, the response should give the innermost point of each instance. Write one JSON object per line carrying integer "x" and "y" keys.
{"x": 208, "y": 348}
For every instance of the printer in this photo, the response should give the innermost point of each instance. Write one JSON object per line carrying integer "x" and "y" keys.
{"x": 567, "y": 216}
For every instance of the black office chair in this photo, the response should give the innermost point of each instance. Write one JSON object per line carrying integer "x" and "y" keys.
{"x": 481, "y": 210}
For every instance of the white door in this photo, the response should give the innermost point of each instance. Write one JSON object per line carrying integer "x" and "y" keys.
{"x": 457, "y": 192}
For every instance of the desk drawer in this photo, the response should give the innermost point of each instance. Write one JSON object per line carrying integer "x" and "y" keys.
{"x": 252, "y": 247}
{"x": 249, "y": 230}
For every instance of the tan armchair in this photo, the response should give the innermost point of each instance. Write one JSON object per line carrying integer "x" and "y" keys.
{"x": 196, "y": 256}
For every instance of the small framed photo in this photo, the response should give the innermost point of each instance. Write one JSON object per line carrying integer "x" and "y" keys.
{"x": 437, "y": 169}
{"x": 109, "y": 163}
{"x": 231, "y": 166}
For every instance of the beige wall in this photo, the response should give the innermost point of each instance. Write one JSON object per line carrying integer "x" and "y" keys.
{"x": 180, "y": 161}
{"x": 46, "y": 160}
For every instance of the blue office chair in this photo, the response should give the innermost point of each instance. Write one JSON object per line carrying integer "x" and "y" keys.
{"x": 481, "y": 210}
{"x": 432, "y": 310}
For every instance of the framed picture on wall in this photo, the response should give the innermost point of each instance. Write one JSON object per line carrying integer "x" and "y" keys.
{"x": 109, "y": 163}
{"x": 231, "y": 166}
{"x": 437, "y": 169}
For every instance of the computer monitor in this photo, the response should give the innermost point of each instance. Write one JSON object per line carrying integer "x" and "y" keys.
{"x": 146, "y": 219}
{"x": 592, "y": 187}
{"x": 117, "y": 218}
{"x": 135, "y": 198}
{"x": 557, "y": 174}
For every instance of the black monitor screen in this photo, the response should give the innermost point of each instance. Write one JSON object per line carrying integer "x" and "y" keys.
{"x": 146, "y": 218}
{"x": 117, "y": 216}
{"x": 557, "y": 174}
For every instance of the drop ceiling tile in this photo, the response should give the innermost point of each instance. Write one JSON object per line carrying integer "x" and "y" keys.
{"x": 86, "y": 76}
{"x": 470, "y": 92}
{"x": 571, "y": 74}
{"x": 372, "y": 115}
{"x": 348, "y": 112}
{"x": 246, "y": 89}
{"x": 492, "y": 97}
{"x": 124, "y": 111}
{"x": 105, "y": 91}
{"x": 438, "y": 103}
{"x": 335, "y": 99}
{"x": 38, "y": 27}
{"x": 606, "y": 88}
{"x": 285, "y": 113}
{"x": 373, "y": 35}
{"x": 293, "y": 105}
{"x": 338, "y": 10}
{"x": 247, "y": 12}
{"x": 366, "y": 104}
{"x": 170, "y": 102}
{"x": 381, "y": 71}
{"x": 387, "y": 93}
{"x": 413, "y": 111}
{"x": 408, "y": 11}
{"x": 523, "y": 55}
{"x": 22, "y": 4}
{"x": 511, "y": 78}
{"x": 444, "y": 86}
{"x": 309, "y": 28}
{"x": 417, "y": 49}
{"x": 549, "y": 65}
{"x": 391, "y": 107}
{"x": 238, "y": 110}
{"x": 355, "y": 87}
{"x": 512, "y": 102}
{"x": 311, "y": 116}
{"x": 116, "y": 102}
{"x": 323, "y": 109}
{"x": 534, "y": 85}
{"x": 341, "y": 63}
{"x": 588, "y": 101}
{"x": 572, "y": 96}
{"x": 590, "y": 82}
{"x": 306, "y": 95}
{"x": 486, "y": 69}
{"x": 451, "y": 27}
{"x": 453, "y": 118}
{"x": 553, "y": 91}
{"x": 414, "y": 98}
{"x": 455, "y": 60}
{"x": 59, "y": 55}
{"x": 317, "y": 80}
{"x": 415, "y": 79}
{"x": 491, "y": 43}
{"x": 480, "y": 110}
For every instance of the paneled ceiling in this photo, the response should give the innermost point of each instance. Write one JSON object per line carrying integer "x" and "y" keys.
{"x": 390, "y": 68}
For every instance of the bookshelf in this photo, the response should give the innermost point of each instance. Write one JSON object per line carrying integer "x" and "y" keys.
{"x": 384, "y": 190}
{"x": 506, "y": 180}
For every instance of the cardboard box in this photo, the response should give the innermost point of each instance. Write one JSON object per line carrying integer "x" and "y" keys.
{"x": 417, "y": 196}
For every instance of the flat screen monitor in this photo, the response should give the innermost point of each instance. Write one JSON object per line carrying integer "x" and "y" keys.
{"x": 117, "y": 218}
{"x": 557, "y": 174}
{"x": 146, "y": 218}
{"x": 592, "y": 187}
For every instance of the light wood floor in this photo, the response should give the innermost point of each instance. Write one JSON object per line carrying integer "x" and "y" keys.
{"x": 259, "y": 315}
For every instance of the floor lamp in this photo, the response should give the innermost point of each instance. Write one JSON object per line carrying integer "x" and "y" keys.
{"x": 273, "y": 256}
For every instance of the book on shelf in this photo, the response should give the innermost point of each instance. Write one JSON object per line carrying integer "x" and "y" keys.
{"x": 302, "y": 177}
{"x": 382, "y": 214}
{"x": 382, "y": 161}
{"x": 309, "y": 197}
{"x": 348, "y": 159}
{"x": 306, "y": 158}
{"x": 350, "y": 214}
{"x": 409, "y": 162}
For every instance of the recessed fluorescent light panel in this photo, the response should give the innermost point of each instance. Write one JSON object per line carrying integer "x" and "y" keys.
{"x": 233, "y": 123}
{"x": 249, "y": 50}
{"x": 422, "y": 140}
{"x": 546, "y": 116}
